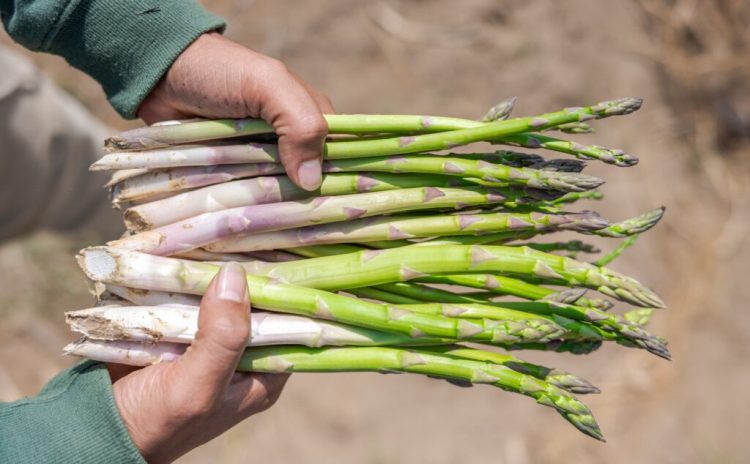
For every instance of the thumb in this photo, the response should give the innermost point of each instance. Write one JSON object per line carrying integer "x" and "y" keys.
{"x": 223, "y": 332}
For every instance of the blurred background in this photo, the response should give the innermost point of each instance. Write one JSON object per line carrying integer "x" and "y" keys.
{"x": 688, "y": 58}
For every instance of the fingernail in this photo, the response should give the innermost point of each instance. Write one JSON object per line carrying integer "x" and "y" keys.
{"x": 231, "y": 284}
{"x": 310, "y": 175}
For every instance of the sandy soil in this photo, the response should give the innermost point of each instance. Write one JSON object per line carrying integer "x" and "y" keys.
{"x": 458, "y": 60}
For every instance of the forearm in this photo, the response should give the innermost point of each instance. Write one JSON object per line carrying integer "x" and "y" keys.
{"x": 73, "y": 419}
{"x": 126, "y": 46}
{"x": 49, "y": 140}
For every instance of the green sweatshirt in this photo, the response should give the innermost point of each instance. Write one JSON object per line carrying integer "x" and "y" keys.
{"x": 127, "y": 46}
{"x": 73, "y": 420}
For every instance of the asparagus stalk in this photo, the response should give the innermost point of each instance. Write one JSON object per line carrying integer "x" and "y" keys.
{"x": 141, "y": 297}
{"x": 177, "y": 179}
{"x": 445, "y": 137}
{"x": 633, "y": 226}
{"x": 639, "y": 316}
{"x": 160, "y": 182}
{"x": 373, "y": 267}
{"x": 403, "y": 227}
{"x": 571, "y": 246}
{"x": 179, "y": 324}
{"x": 191, "y": 277}
{"x": 571, "y": 318}
{"x": 491, "y": 131}
{"x": 612, "y": 255}
{"x": 577, "y": 347}
{"x": 609, "y": 156}
{"x": 275, "y": 189}
{"x": 201, "y": 254}
{"x": 556, "y": 377}
{"x": 573, "y": 128}
{"x": 207, "y": 228}
{"x": 378, "y": 294}
{"x": 362, "y": 359}
{"x": 494, "y": 283}
{"x": 461, "y": 167}
{"x": 501, "y": 284}
{"x": 190, "y": 155}
{"x": 139, "y": 270}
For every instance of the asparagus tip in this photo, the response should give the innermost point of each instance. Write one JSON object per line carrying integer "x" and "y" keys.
{"x": 570, "y": 382}
{"x": 634, "y": 225}
{"x": 500, "y": 111}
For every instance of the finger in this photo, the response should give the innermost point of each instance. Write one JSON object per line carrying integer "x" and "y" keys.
{"x": 298, "y": 121}
{"x": 251, "y": 393}
{"x": 223, "y": 330}
{"x": 153, "y": 109}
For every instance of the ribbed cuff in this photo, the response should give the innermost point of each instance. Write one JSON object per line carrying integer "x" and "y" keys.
{"x": 127, "y": 46}
{"x": 73, "y": 419}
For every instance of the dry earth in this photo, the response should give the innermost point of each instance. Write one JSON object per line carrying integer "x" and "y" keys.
{"x": 457, "y": 58}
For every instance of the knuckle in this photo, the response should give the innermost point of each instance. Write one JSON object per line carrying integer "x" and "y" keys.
{"x": 310, "y": 131}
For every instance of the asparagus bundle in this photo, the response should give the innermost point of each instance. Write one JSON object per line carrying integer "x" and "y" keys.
{"x": 403, "y": 254}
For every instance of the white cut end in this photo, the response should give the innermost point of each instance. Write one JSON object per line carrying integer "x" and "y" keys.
{"x": 98, "y": 264}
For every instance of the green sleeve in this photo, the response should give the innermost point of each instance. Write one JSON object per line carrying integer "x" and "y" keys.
{"x": 127, "y": 46}
{"x": 73, "y": 419}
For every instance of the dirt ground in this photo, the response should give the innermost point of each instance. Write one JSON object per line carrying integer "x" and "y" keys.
{"x": 458, "y": 58}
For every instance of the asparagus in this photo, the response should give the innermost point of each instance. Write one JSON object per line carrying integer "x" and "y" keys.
{"x": 165, "y": 135}
{"x": 179, "y": 323}
{"x": 364, "y": 359}
{"x": 612, "y": 255}
{"x": 571, "y": 318}
{"x": 494, "y": 283}
{"x": 201, "y": 230}
{"x": 416, "y": 242}
{"x": 500, "y": 111}
{"x": 639, "y": 316}
{"x": 190, "y": 155}
{"x": 556, "y": 377}
{"x": 526, "y": 160}
{"x": 565, "y": 346}
{"x": 571, "y": 246}
{"x": 490, "y": 131}
{"x": 489, "y": 174}
{"x": 141, "y": 297}
{"x": 372, "y": 267}
{"x": 461, "y": 167}
{"x": 633, "y": 226}
{"x": 609, "y": 156}
{"x": 573, "y": 128}
{"x": 402, "y": 227}
{"x": 379, "y": 294}
{"x": 159, "y": 182}
{"x": 191, "y": 277}
{"x": 274, "y": 189}
{"x": 139, "y": 270}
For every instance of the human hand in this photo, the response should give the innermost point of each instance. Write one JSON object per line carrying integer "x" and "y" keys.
{"x": 217, "y": 78}
{"x": 172, "y": 407}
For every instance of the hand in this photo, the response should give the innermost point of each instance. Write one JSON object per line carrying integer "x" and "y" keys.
{"x": 172, "y": 407}
{"x": 217, "y": 78}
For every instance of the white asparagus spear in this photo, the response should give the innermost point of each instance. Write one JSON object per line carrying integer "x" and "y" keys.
{"x": 124, "y": 352}
{"x": 189, "y": 155}
{"x": 179, "y": 324}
